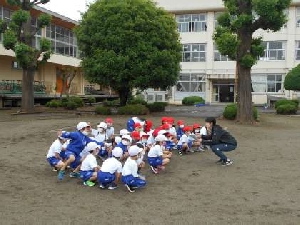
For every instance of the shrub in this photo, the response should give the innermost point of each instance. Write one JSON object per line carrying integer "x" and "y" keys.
{"x": 137, "y": 109}
{"x": 111, "y": 103}
{"x": 286, "y": 102}
{"x": 91, "y": 100}
{"x": 191, "y": 100}
{"x": 296, "y": 101}
{"x": 77, "y": 100}
{"x": 53, "y": 103}
{"x": 137, "y": 100}
{"x": 230, "y": 112}
{"x": 71, "y": 105}
{"x": 102, "y": 110}
{"x": 157, "y": 106}
{"x": 286, "y": 109}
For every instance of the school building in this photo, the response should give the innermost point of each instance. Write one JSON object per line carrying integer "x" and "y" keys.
{"x": 207, "y": 73}
{"x": 48, "y": 78}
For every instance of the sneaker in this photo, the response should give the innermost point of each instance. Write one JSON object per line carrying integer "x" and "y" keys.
{"x": 102, "y": 186}
{"x": 74, "y": 174}
{"x": 54, "y": 169}
{"x": 61, "y": 175}
{"x": 180, "y": 152}
{"x": 191, "y": 150}
{"x": 154, "y": 170}
{"x": 89, "y": 183}
{"x": 130, "y": 189}
{"x": 228, "y": 162}
{"x": 112, "y": 186}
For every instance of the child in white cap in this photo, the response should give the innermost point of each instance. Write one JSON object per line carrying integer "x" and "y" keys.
{"x": 111, "y": 170}
{"x": 156, "y": 157}
{"x": 89, "y": 166}
{"x": 53, "y": 155}
{"x": 101, "y": 136}
{"x": 130, "y": 175}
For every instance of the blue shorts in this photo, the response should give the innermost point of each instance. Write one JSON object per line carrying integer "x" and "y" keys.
{"x": 133, "y": 181}
{"x": 63, "y": 155}
{"x": 103, "y": 153}
{"x": 86, "y": 175}
{"x": 53, "y": 161}
{"x": 105, "y": 178}
{"x": 155, "y": 161}
{"x": 76, "y": 163}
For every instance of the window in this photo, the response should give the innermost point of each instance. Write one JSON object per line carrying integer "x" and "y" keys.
{"x": 218, "y": 56}
{"x": 15, "y": 65}
{"x": 191, "y": 22}
{"x": 297, "y": 50}
{"x": 193, "y": 53}
{"x": 191, "y": 82}
{"x": 5, "y": 14}
{"x": 274, "y": 50}
{"x": 63, "y": 40}
{"x": 37, "y": 37}
{"x": 267, "y": 83}
{"x": 298, "y": 17}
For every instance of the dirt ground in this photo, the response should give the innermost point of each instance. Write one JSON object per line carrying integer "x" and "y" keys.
{"x": 261, "y": 187}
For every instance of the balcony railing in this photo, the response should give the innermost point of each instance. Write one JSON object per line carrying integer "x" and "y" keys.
{"x": 15, "y": 87}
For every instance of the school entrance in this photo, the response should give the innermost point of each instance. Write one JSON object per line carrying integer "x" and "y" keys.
{"x": 223, "y": 91}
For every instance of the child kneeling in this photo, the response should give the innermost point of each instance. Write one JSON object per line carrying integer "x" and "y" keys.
{"x": 130, "y": 175}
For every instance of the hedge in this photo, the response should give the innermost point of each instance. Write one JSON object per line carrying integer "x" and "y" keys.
{"x": 286, "y": 102}
{"x": 191, "y": 100}
{"x": 157, "y": 106}
{"x": 230, "y": 112}
{"x": 286, "y": 109}
{"x": 102, "y": 110}
{"x": 137, "y": 109}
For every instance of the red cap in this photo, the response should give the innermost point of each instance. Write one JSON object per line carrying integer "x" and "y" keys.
{"x": 164, "y": 119}
{"x": 180, "y": 122}
{"x": 148, "y": 125}
{"x": 196, "y": 125}
{"x": 137, "y": 125}
{"x": 108, "y": 120}
{"x": 187, "y": 128}
{"x": 136, "y": 135}
{"x": 155, "y": 132}
{"x": 171, "y": 120}
{"x": 165, "y": 126}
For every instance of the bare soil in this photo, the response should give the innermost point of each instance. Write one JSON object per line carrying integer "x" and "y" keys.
{"x": 261, "y": 187}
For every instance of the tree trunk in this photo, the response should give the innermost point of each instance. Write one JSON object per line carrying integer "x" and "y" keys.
{"x": 28, "y": 91}
{"x": 124, "y": 94}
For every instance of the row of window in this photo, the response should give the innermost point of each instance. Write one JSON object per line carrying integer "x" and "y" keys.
{"x": 63, "y": 41}
{"x": 274, "y": 50}
{"x": 192, "y": 82}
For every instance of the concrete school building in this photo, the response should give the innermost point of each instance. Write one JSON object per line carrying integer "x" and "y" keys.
{"x": 207, "y": 73}
{"x": 48, "y": 80}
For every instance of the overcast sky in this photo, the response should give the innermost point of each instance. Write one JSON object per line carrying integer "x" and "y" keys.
{"x": 68, "y": 8}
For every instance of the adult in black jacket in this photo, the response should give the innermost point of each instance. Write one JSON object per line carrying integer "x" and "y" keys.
{"x": 219, "y": 140}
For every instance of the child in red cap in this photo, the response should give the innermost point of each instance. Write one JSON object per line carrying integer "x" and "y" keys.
{"x": 184, "y": 144}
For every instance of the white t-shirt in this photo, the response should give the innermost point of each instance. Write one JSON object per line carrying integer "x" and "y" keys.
{"x": 55, "y": 147}
{"x": 110, "y": 131}
{"x": 155, "y": 151}
{"x": 203, "y": 131}
{"x": 89, "y": 163}
{"x": 151, "y": 140}
{"x": 100, "y": 137}
{"x": 94, "y": 132}
{"x": 130, "y": 168}
{"x": 172, "y": 131}
{"x": 184, "y": 139}
{"x": 111, "y": 165}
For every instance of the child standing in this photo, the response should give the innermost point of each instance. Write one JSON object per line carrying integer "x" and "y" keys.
{"x": 89, "y": 166}
{"x": 110, "y": 172}
{"x": 110, "y": 131}
{"x": 130, "y": 175}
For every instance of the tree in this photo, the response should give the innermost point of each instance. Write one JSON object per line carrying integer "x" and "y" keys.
{"x": 19, "y": 37}
{"x": 129, "y": 44}
{"x": 292, "y": 79}
{"x": 234, "y": 37}
{"x": 67, "y": 74}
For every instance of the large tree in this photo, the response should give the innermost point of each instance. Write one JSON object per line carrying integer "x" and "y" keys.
{"x": 129, "y": 44}
{"x": 292, "y": 79}
{"x": 234, "y": 37}
{"x": 19, "y": 37}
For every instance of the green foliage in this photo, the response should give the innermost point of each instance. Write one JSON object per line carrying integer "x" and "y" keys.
{"x": 142, "y": 51}
{"x": 137, "y": 100}
{"x": 157, "y": 106}
{"x": 292, "y": 79}
{"x": 44, "y": 20}
{"x": 9, "y": 39}
{"x": 257, "y": 49}
{"x": 248, "y": 60}
{"x": 71, "y": 105}
{"x": 137, "y": 109}
{"x": 25, "y": 55}
{"x": 111, "y": 103}
{"x": 3, "y": 26}
{"x": 230, "y": 112}
{"x": 287, "y": 109}
{"x": 227, "y": 42}
{"x": 77, "y": 100}
{"x": 191, "y": 100}
{"x": 54, "y": 103}
{"x": 91, "y": 100}
{"x": 286, "y": 102}
{"x": 102, "y": 110}
{"x": 45, "y": 45}
{"x": 20, "y": 16}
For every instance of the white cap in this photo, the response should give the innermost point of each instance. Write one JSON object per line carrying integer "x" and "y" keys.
{"x": 92, "y": 146}
{"x": 161, "y": 137}
{"x": 81, "y": 125}
{"x": 161, "y": 132}
{"x": 133, "y": 150}
{"x": 127, "y": 137}
{"x": 117, "y": 152}
{"x": 118, "y": 139}
{"x": 124, "y": 132}
{"x": 103, "y": 125}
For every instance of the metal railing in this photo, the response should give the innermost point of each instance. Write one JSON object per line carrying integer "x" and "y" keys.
{"x": 15, "y": 87}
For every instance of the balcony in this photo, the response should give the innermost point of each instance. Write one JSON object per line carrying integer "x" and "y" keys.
{"x": 15, "y": 87}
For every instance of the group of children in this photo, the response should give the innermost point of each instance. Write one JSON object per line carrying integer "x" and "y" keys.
{"x": 124, "y": 155}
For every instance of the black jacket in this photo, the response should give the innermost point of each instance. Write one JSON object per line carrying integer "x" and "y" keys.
{"x": 218, "y": 136}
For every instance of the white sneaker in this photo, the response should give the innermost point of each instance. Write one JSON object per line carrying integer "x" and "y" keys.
{"x": 227, "y": 163}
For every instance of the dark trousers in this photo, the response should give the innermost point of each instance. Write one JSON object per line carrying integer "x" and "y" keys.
{"x": 220, "y": 148}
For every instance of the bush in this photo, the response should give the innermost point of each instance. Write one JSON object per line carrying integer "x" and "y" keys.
{"x": 286, "y": 109}
{"x": 157, "y": 106}
{"x": 71, "y": 105}
{"x": 137, "y": 100}
{"x": 53, "y": 103}
{"x": 137, "y": 109}
{"x": 91, "y": 100}
{"x": 102, "y": 110}
{"x": 191, "y": 100}
{"x": 111, "y": 103}
{"x": 286, "y": 102}
{"x": 77, "y": 100}
{"x": 230, "y": 112}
